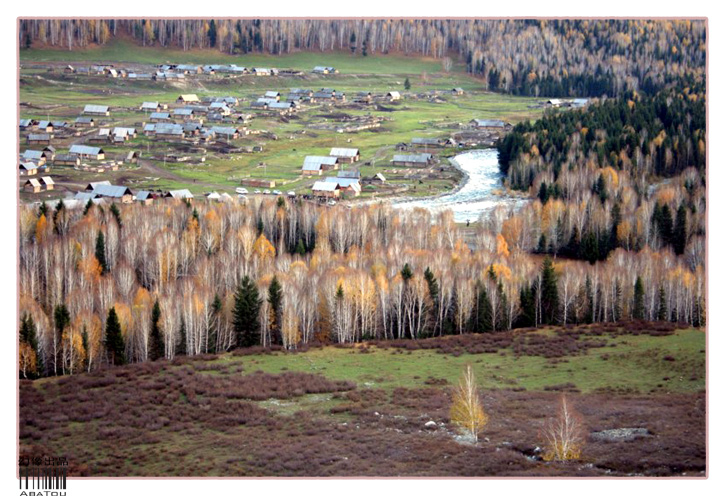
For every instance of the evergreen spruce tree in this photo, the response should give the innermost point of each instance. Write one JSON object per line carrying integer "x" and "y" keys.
{"x": 114, "y": 339}
{"x": 434, "y": 293}
{"x": 247, "y": 305}
{"x": 662, "y": 313}
{"x": 679, "y": 236}
{"x": 181, "y": 348}
{"x": 406, "y": 273}
{"x": 116, "y": 215}
{"x": 84, "y": 341}
{"x": 274, "y": 297}
{"x": 156, "y": 343}
{"x": 212, "y": 34}
{"x": 638, "y": 312}
{"x": 300, "y": 249}
{"x": 101, "y": 252}
{"x": 216, "y": 310}
{"x": 665, "y": 225}
{"x": 43, "y": 210}
{"x": 483, "y": 313}
{"x": 549, "y": 293}
{"x": 406, "y": 84}
{"x": 89, "y": 204}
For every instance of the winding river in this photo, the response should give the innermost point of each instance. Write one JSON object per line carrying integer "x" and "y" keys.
{"x": 481, "y": 192}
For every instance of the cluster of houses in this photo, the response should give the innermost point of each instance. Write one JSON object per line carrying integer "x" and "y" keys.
{"x": 181, "y": 71}
{"x": 102, "y": 191}
{"x": 315, "y": 165}
{"x": 569, "y": 103}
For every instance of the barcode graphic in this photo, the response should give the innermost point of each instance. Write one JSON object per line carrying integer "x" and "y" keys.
{"x": 43, "y": 477}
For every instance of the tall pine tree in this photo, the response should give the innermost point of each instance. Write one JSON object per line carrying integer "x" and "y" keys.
{"x": 247, "y": 305}
{"x": 549, "y": 293}
{"x": 114, "y": 339}
{"x": 156, "y": 343}
{"x": 638, "y": 312}
{"x": 274, "y": 297}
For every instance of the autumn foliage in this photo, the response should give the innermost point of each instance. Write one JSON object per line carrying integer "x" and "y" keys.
{"x": 467, "y": 410}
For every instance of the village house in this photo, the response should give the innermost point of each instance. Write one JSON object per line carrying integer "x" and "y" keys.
{"x": 314, "y": 165}
{"x": 363, "y": 97}
{"x": 136, "y": 76}
{"x": 132, "y": 157}
{"x": 49, "y": 152}
{"x": 188, "y": 69}
{"x": 32, "y": 186}
{"x": 91, "y": 152}
{"x": 84, "y": 122}
{"x": 39, "y": 139}
{"x": 263, "y": 71}
{"x": 186, "y": 99}
{"x": 150, "y": 107}
{"x": 67, "y": 159}
{"x": 160, "y": 117}
{"x": 96, "y": 110}
{"x": 347, "y": 155}
{"x": 165, "y": 131}
{"x": 102, "y": 136}
{"x": 259, "y": 104}
{"x": 220, "y": 108}
{"x": 349, "y": 174}
{"x": 457, "y": 91}
{"x": 426, "y": 143}
{"x": 105, "y": 189}
{"x": 324, "y": 70}
{"x": 180, "y": 194}
{"x": 377, "y": 179}
{"x": 69, "y": 69}
{"x": 346, "y": 186}
{"x": 323, "y": 189}
{"x": 258, "y": 183}
{"x": 27, "y": 124}
{"x": 45, "y": 126}
{"x": 225, "y": 132}
{"x": 275, "y": 95}
{"x": 487, "y": 124}
{"x": 37, "y": 156}
{"x": 281, "y": 106}
{"x": 192, "y": 128}
{"x": 47, "y": 183}
{"x": 145, "y": 197}
{"x": 414, "y": 160}
{"x": 184, "y": 113}
{"x": 393, "y": 95}
{"x": 28, "y": 168}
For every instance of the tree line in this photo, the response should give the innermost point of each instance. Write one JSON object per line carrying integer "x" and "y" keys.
{"x": 528, "y": 57}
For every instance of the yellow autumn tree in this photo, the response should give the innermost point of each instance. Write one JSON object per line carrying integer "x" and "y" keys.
{"x": 502, "y": 247}
{"x": 263, "y": 248}
{"x": 564, "y": 435}
{"x": 467, "y": 410}
{"x": 28, "y": 360}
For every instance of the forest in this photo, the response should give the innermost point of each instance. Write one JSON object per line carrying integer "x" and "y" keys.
{"x": 133, "y": 283}
{"x": 553, "y": 58}
{"x": 626, "y": 173}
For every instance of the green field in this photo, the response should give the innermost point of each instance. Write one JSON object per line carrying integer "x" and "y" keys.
{"x": 628, "y": 363}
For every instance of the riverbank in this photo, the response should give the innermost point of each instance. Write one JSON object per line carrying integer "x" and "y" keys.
{"x": 481, "y": 190}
